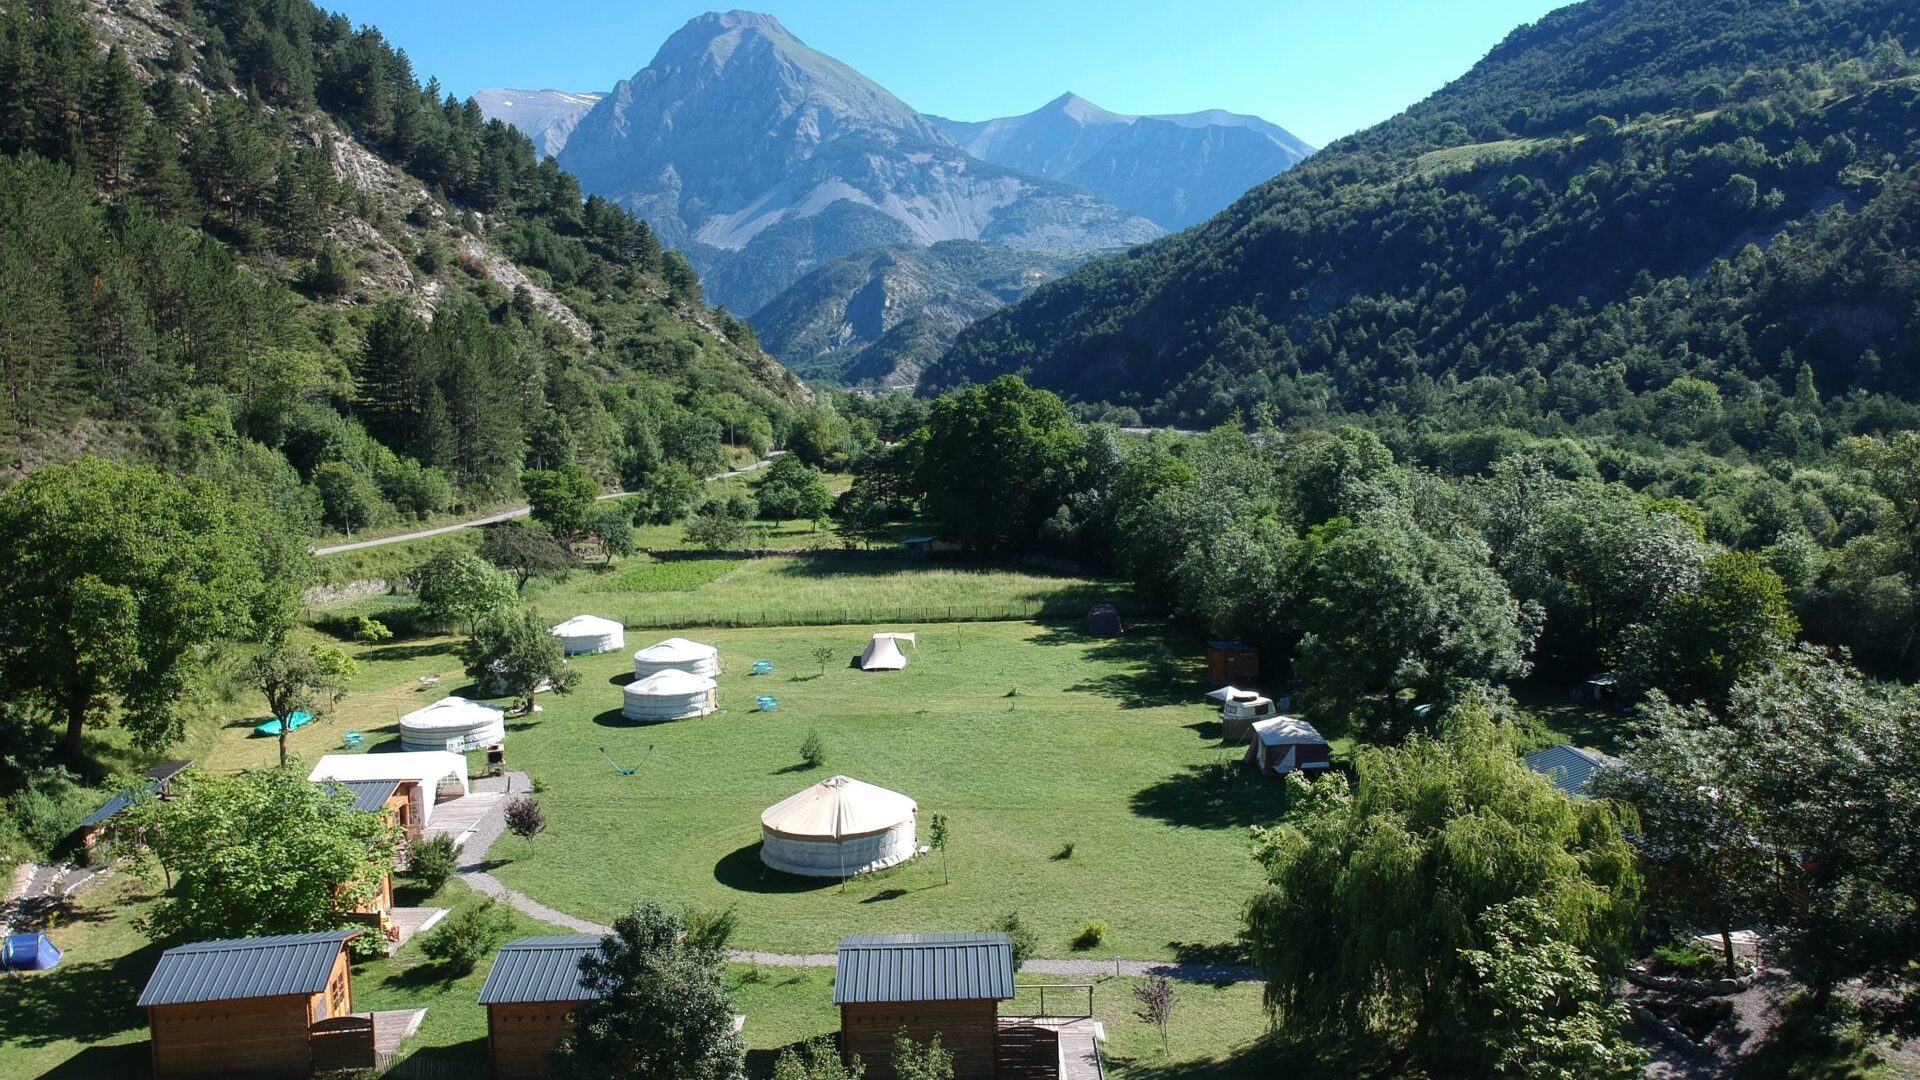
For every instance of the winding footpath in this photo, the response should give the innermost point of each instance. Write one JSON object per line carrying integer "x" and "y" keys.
{"x": 475, "y": 841}
{"x": 509, "y": 515}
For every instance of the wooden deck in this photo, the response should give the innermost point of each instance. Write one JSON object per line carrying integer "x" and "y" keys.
{"x": 390, "y": 1029}
{"x": 457, "y": 817}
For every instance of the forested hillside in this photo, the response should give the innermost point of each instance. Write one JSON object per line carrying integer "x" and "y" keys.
{"x": 1626, "y": 206}
{"x": 239, "y": 239}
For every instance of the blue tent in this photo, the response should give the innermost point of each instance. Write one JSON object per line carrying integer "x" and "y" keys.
{"x": 27, "y": 952}
{"x": 295, "y": 721}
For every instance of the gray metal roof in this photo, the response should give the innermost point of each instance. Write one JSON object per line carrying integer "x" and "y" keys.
{"x": 924, "y": 967}
{"x": 244, "y": 968}
{"x": 368, "y": 795}
{"x": 1568, "y": 768}
{"x": 109, "y": 809}
{"x": 539, "y": 969}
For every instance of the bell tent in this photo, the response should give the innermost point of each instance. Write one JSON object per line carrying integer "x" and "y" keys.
{"x": 883, "y": 652}
{"x": 837, "y": 828}
{"x": 453, "y": 723}
{"x": 669, "y": 695}
{"x": 584, "y": 635}
{"x": 677, "y": 654}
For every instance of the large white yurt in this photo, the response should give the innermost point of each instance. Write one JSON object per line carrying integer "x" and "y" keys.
{"x": 670, "y": 695}
{"x": 586, "y": 634}
{"x": 837, "y": 828}
{"x": 677, "y": 654}
{"x": 453, "y": 723}
{"x": 883, "y": 652}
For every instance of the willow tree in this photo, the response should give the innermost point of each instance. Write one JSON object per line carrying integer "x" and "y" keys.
{"x": 1375, "y": 891}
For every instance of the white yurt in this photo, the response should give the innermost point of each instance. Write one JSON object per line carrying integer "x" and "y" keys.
{"x": 453, "y": 723}
{"x": 677, "y": 654}
{"x": 586, "y": 634}
{"x": 670, "y": 695}
{"x": 837, "y": 828}
{"x": 883, "y": 652}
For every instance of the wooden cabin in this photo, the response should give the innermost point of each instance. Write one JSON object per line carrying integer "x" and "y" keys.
{"x": 950, "y": 985}
{"x": 530, "y": 994}
{"x": 247, "y": 1006}
{"x": 1233, "y": 662}
{"x": 398, "y": 801}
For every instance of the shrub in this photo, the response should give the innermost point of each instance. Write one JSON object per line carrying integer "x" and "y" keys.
{"x": 813, "y": 750}
{"x": 48, "y": 809}
{"x": 369, "y": 630}
{"x": 711, "y": 929}
{"x": 431, "y": 861}
{"x": 468, "y": 935}
{"x": 1683, "y": 959}
{"x": 1020, "y": 934}
{"x": 1092, "y": 933}
{"x": 817, "y": 1059}
{"x": 911, "y": 1061}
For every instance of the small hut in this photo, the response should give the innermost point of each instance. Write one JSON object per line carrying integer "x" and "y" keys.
{"x": 883, "y": 652}
{"x": 159, "y": 783}
{"x": 417, "y": 778}
{"x": 1285, "y": 743}
{"x": 670, "y": 695}
{"x": 926, "y": 985}
{"x": 584, "y": 635}
{"x": 453, "y": 723}
{"x": 1569, "y": 768}
{"x": 1103, "y": 620}
{"x": 1232, "y": 662}
{"x": 677, "y": 654}
{"x": 837, "y": 828}
{"x": 247, "y": 1005}
{"x": 529, "y": 995}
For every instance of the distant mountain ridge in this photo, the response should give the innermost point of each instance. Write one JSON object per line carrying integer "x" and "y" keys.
{"x": 545, "y": 116}
{"x": 1175, "y": 169}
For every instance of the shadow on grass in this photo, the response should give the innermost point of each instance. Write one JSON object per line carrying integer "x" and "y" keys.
{"x": 885, "y": 895}
{"x": 433, "y": 976}
{"x": 488, "y": 866}
{"x": 468, "y": 1058}
{"x": 1305, "y": 1060}
{"x": 1218, "y": 796}
{"x": 94, "y": 1062}
{"x": 620, "y": 678}
{"x": 614, "y": 718}
{"x": 79, "y": 1000}
{"x": 409, "y": 652}
{"x": 1226, "y": 953}
{"x": 742, "y": 869}
{"x": 523, "y": 725}
{"x": 1209, "y": 730}
{"x": 800, "y": 766}
{"x": 1809, "y": 1046}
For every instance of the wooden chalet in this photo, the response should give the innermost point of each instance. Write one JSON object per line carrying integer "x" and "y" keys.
{"x": 270, "y": 1006}
{"x": 529, "y": 996}
{"x": 950, "y": 985}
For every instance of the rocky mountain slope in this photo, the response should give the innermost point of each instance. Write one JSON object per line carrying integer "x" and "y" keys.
{"x": 764, "y": 158}
{"x": 545, "y": 116}
{"x": 1174, "y": 169}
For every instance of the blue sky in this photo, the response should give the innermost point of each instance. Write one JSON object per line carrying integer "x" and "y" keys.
{"x": 1320, "y": 68}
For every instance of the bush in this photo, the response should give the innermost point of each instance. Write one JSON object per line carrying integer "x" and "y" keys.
{"x": 524, "y": 817}
{"x": 1092, "y": 933}
{"x": 711, "y": 929}
{"x": 1020, "y": 934}
{"x": 468, "y": 935}
{"x": 48, "y": 809}
{"x": 1684, "y": 959}
{"x": 371, "y": 631}
{"x": 431, "y": 861}
{"x": 813, "y": 750}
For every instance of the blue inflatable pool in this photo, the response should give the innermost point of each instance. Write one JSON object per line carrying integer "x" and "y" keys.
{"x": 295, "y": 721}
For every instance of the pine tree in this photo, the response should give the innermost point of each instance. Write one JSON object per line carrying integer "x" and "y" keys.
{"x": 160, "y": 179}
{"x": 115, "y": 116}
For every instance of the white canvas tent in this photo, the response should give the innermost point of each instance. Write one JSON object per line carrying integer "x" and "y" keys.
{"x": 453, "y": 723}
{"x": 837, "y": 828}
{"x": 669, "y": 695}
{"x": 424, "y": 768}
{"x": 584, "y": 635}
{"x": 677, "y": 654}
{"x": 1285, "y": 743}
{"x": 883, "y": 652}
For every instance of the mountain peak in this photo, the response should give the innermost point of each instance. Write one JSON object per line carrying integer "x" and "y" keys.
{"x": 1078, "y": 108}
{"x": 714, "y": 23}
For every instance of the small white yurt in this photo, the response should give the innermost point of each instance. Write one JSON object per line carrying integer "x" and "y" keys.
{"x": 677, "y": 654}
{"x": 837, "y": 828}
{"x": 583, "y": 635}
{"x": 883, "y": 652}
{"x": 453, "y": 723}
{"x": 670, "y": 695}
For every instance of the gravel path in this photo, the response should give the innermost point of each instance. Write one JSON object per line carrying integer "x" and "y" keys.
{"x": 473, "y": 858}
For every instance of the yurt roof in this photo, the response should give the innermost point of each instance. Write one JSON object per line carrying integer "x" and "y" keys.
{"x": 837, "y": 808}
{"x": 675, "y": 649}
{"x": 671, "y": 681}
{"x": 1286, "y": 731}
{"x": 585, "y": 626}
{"x": 451, "y": 712}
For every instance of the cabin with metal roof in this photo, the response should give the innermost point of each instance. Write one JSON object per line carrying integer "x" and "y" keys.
{"x": 158, "y": 782}
{"x": 529, "y": 996}
{"x": 949, "y": 985}
{"x": 1568, "y": 768}
{"x": 266, "y": 1006}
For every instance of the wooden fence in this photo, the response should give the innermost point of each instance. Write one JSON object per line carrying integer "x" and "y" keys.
{"x": 342, "y": 1042}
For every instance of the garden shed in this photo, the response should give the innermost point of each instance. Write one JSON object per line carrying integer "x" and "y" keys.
{"x": 417, "y": 776}
{"x": 584, "y": 635}
{"x": 949, "y": 985}
{"x": 1103, "y": 620}
{"x": 669, "y": 695}
{"x": 1232, "y": 662}
{"x": 247, "y": 1006}
{"x": 1286, "y": 743}
{"x": 453, "y": 723}
{"x": 530, "y": 992}
{"x": 677, "y": 654}
{"x": 883, "y": 652}
{"x": 837, "y": 828}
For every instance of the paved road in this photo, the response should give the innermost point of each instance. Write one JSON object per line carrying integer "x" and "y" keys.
{"x": 508, "y": 515}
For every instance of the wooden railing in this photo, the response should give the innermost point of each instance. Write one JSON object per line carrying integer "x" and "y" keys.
{"x": 1064, "y": 995}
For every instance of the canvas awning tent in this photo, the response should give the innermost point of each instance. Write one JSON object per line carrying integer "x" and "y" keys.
{"x": 427, "y": 768}
{"x": 836, "y": 828}
{"x": 883, "y": 652}
{"x": 1231, "y": 693}
{"x": 453, "y": 723}
{"x": 1286, "y": 743}
{"x": 584, "y": 635}
{"x": 669, "y": 695}
{"x": 677, "y": 654}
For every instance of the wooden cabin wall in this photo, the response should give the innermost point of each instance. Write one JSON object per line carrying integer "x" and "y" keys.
{"x": 967, "y": 1029}
{"x": 250, "y": 1036}
{"x": 520, "y": 1036}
